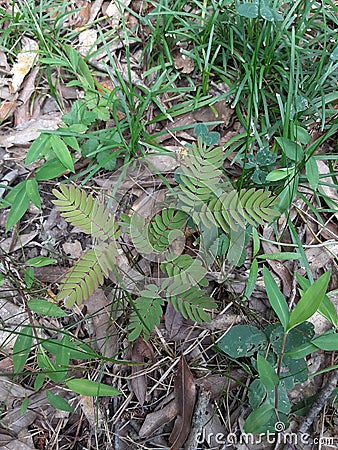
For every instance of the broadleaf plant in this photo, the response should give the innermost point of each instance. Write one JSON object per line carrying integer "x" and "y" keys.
{"x": 278, "y": 353}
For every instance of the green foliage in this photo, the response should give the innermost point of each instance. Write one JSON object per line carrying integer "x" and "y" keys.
{"x": 147, "y": 313}
{"x": 278, "y": 353}
{"x": 91, "y": 388}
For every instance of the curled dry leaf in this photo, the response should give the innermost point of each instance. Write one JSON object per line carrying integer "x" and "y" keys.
{"x": 24, "y": 63}
{"x": 141, "y": 352}
{"x": 185, "y": 395}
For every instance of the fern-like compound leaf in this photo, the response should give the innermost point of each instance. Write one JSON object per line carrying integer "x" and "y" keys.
{"x": 146, "y": 314}
{"x": 192, "y": 304}
{"x": 82, "y": 279}
{"x": 166, "y": 226}
{"x": 200, "y": 175}
{"x": 257, "y": 205}
{"x": 183, "y": 272}
{"x": 84, "y": 212}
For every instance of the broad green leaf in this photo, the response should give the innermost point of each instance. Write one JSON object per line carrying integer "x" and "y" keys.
{"x": 281, "y": 256}
{"x": 302, "y": 135}
{"x": 288, "y": 193}
{"x": 40, "y": 261}
{"x": 248, "y": 10}
{"x": 45, "y": 308}
{"x": 38, "y": 149}
{"x": 24, "y": 406}
{"x": 62, "y": 359}
{"x": 22, "y": 347}
{"x": 71, "y": 141}
{"x": 326, "y": 308}
{"x": 312, "y": 172}
{"x": 38, "y": 382}
{"x": 52, "y": 168}
{"x": 257, "y": 420}
{"x": 327, "y": 341}
{"x": 19, "y": 207}
{"x": 276, "y": 299}
{"x": 301, "y": 351}
{"x": 83, "y": 386}
{"x": 280, "y": 174}
{"x": 58, "y": 402}
{"x": 267, "y": 373}
{"x": 32, "y": 190}
{"x": 29, "y": 277}
{"x": 310, "y": 301}
{"x": 77, "y": 351}
{"x": 291, "y": 149}
{"x": 242, "y": 340}
{"x": 62, "y": 153}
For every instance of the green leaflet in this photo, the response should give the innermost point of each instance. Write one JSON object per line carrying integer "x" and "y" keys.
{"x": 165, "y": 227}
{"x": 82, "y": 279}
{"x": 192, "y": 303}
{"x": 147, "y": 313}
{"x": 84, "y": 212}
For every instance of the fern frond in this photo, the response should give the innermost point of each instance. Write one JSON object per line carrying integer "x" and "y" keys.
{"x": 82, "y": 279}
{"x": 257, "y": 205}
{"x": 183, "y": 272}
{"x": 84, "y": 212}
{"x": 146, "y": 314}
{"x": 192, "y": 303}
{"x": 163, "y": 226}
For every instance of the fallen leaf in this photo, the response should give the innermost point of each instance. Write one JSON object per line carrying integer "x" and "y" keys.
{"x": 141, "y": 352}
{"x": 24, "y": 134}
{"x": 182, "y": 62}
{"x": 114, "y": 9}
{"x": 81, "y": 17}
{"x": 6, "y": 109}
{"x": 156, "y": 419}
{"x": 25, "y": 239}
{"x": 24, "y": 63}
{"x": 87, "y": 39}
{"x": 185, "y": 395}
{"x": 104, "y": 333}
{"x": 73, "y": 249}
{"x": 90, "y": 410}
{"x": 10, "y": 316}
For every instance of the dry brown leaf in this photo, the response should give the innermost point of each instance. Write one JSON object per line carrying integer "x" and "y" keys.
{"x": 10, "y": 316}
{"x": 6, "y": 244}
{"x": 104, "y": 333}
{"x": 81, "y": 17}
{"x": 6, "y": 109}
{"x": 73, "y": 249}
{"x": 29, "y": 131}
{"x": 185, "y": 395}
{"x": 24, "y": 63}
{"x": 90, "y": 410}
{"x": 182, "y": 62}
{"x": 114, "y": 11}
{"x": 87, "y": 39}
{"x": 141, "y": 352}
{"x": 156, "y": 419}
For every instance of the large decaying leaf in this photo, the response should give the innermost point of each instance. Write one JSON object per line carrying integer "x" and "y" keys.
{"x": 141, "y": 353}
{"x": 185, "y": 395}
{"x": 24, "y": 62}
